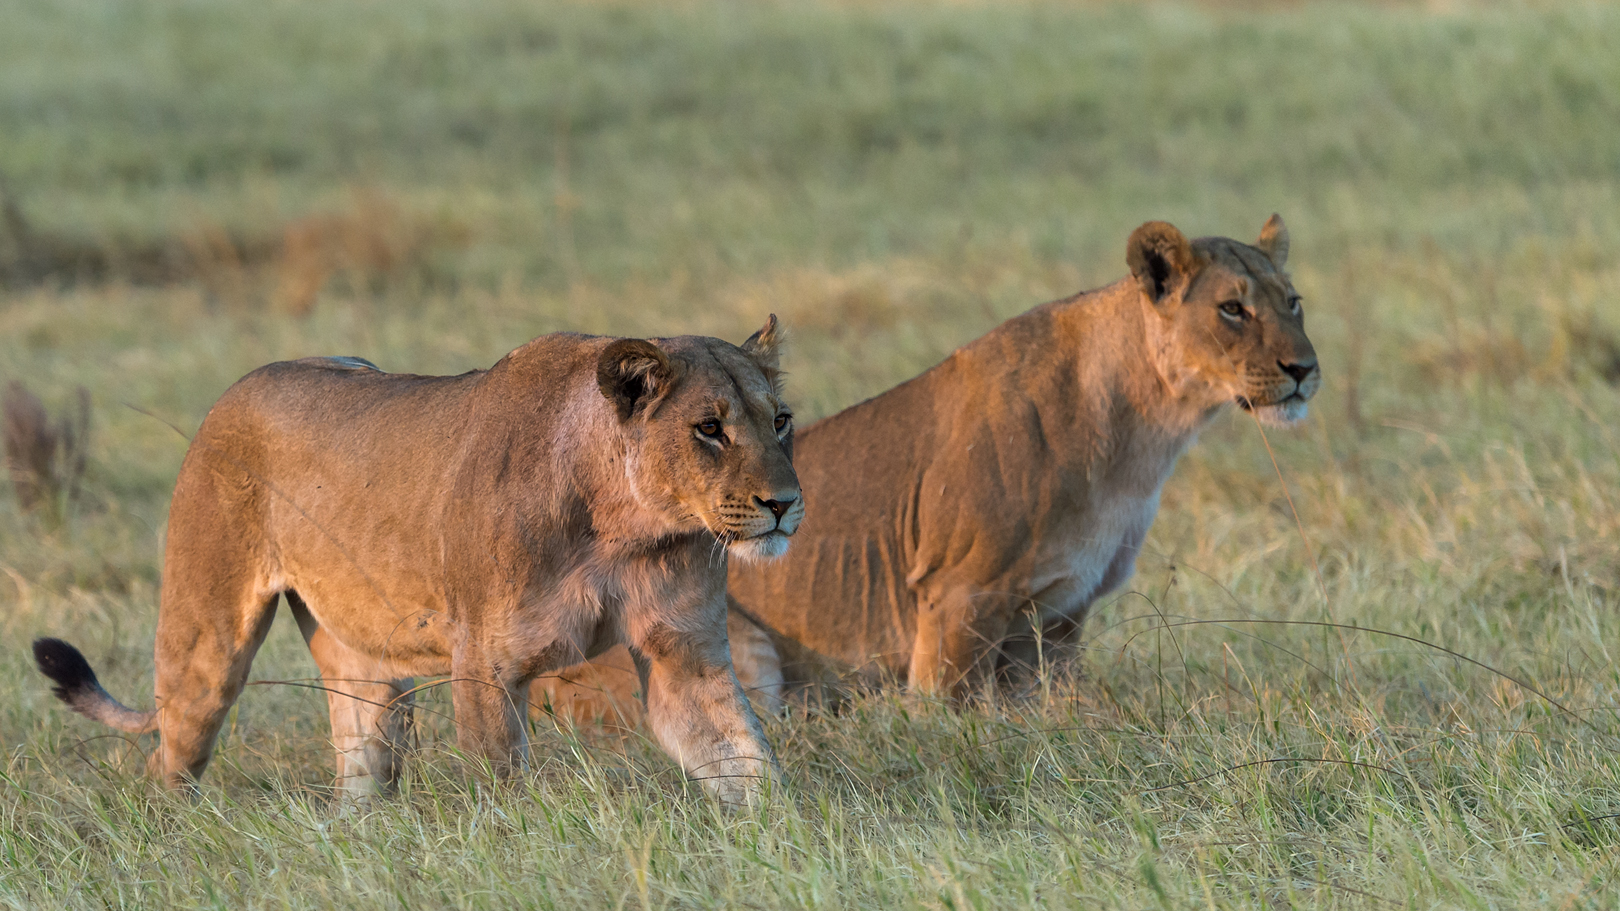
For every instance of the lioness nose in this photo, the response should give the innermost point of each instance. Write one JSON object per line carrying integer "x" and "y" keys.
{"x": 1298, "y": 371}
{"x": 778, "y": 508}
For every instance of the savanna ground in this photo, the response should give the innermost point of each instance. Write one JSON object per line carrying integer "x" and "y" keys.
{"x": 200, "y": 188}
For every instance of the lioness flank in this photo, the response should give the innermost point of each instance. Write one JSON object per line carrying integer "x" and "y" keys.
{"x": 492, "y": 526}
{"x": 967, "y": 519}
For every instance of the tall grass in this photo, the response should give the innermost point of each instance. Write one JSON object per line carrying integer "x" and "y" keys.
{"x": 893, "y": 179}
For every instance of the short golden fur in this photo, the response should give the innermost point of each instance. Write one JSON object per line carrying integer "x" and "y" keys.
{"x": 971, "y": 516}
{"x": 493, "y": 527}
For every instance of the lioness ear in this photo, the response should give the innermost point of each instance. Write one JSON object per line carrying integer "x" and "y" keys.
{"x": 631, "y": 373}
{"x": 1160, "y": 257}
{"x": 764, "y": 346}
{"x": 1274, "y": 240}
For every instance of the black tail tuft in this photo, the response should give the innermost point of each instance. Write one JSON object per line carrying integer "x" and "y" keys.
{"x": 66, "y": 667}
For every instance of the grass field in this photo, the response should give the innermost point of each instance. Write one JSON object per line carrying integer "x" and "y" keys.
{"x": 206, "y": 187}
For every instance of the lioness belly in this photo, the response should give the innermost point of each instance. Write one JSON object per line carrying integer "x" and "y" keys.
{"x": 387, "y": 626}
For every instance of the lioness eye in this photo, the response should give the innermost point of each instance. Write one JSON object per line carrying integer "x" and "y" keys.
{"x": 710, "y": 429}
{"x": 1232, "y": 308}
{"x": 782, "y": 422}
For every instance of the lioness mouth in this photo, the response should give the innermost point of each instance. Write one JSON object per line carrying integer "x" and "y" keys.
{"x": 773, "y": 543}
{"x": 1248, "y": 404}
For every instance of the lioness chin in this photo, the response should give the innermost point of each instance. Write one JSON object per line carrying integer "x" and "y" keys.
{"x": 493, "y": 527}
{"x": 968, "y": 518}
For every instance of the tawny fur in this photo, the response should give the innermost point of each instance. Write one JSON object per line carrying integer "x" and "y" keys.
{"x": 982, "y": 507}
{"x": 494, "y": 527}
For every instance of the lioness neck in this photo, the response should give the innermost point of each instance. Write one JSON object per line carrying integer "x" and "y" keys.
{"x": 1086, "y": 366}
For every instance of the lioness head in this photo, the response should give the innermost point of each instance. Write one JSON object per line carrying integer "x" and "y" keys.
{"x": 1226, "y": 322}
{"x": 714, "y": 440}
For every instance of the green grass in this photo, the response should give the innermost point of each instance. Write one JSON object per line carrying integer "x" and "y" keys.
{"x": 893, "y": 180}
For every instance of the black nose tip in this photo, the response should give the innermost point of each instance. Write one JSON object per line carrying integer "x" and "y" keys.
{"x": 1298, "y": 371}
{"x": 778, "y": 508}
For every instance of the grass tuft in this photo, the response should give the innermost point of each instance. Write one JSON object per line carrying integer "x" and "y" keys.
{"x": 45, "y": 458}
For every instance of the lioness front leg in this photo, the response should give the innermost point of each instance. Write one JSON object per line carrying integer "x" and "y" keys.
{"x": 1043, "y": 635}
{"x": 698, "y": 711}
{"x": 490, "y": 712}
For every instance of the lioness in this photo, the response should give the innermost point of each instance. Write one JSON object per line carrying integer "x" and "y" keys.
{"x": 492, "y": 526}
{"x": 970, "y": 517}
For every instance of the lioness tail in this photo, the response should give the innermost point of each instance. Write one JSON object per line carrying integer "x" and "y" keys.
{"x": 76, "y": 685}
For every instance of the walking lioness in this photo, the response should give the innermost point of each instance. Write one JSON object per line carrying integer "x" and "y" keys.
{"x": 971, "y": 516}
{"x": 492, "y": 526}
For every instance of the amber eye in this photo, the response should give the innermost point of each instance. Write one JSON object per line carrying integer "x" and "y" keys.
{"x": 782, "y": 422}
{"x": 710, "y": 429}
{"x": 1233, "y": 309}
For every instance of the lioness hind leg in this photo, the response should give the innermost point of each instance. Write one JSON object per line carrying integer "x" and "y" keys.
{"x": 202, "y": 659}
{"x": 371, "y": 712}
{"x": 603, "y": 691}
{"x": 607, "y": 691}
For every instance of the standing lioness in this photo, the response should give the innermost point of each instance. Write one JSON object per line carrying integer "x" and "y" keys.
{"x": 993, "y": 499}
{"x": 491, "y": 526}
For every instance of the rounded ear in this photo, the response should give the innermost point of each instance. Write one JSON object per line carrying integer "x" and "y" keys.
{"x": 764, "y": 346}
{"x": 1161, "y": 259}
{"x": 632, "y": 372}
{"x": 1274, "y": 240}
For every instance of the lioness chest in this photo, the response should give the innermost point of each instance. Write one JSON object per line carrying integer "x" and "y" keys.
{"x": 1028, "y": 518}
{"x": 1095, "y": 552}
{"x": 1086, "y": 552}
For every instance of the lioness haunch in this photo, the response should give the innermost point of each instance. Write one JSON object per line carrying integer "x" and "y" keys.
{"x": 491, "y": 526}
{"x": 967, "y": 519}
